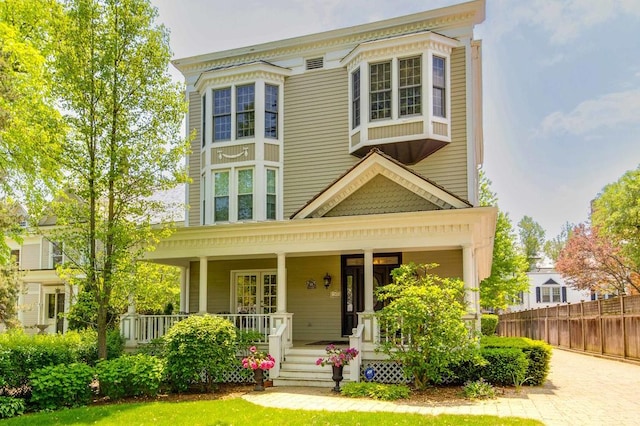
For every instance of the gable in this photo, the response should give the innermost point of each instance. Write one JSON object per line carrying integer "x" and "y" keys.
{"x": 550, "y": 281}
{"x": 378, "y": 196}
{"x": 378, "y": 184}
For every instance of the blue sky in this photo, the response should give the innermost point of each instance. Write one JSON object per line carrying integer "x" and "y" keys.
{"x": 561, "y": 84}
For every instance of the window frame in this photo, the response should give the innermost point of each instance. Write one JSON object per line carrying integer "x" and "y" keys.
{"x": 248, "y": 109}
{"x": 386, "y": 90}
{"x": 442, "y": 89}
{"x": 269, "y": 110}
{"x": 356, "y": 94}
{"x": 222, "y": 196}
{"x": 53, "y": 254}
{"x": 251, "y": 194}
{"x": 417, "y": 60}
{"x": 216, "y": 115}
{"x": 273, "y": 194}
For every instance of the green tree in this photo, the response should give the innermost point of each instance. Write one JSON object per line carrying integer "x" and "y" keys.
{"x": 31, "y": 128}
{"x": 9, "y": 293}
{"x": 154, "y": 287}
{"x": 509, "y": 267}
{"x": 616, "y": 215}
{"x": 125, "y": 116}
{"x": 553, "y": 247}
{"x": 531, "y": 239}
{"x": 423, "y": 324}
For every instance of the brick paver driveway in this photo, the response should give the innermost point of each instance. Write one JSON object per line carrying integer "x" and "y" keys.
{"x": 580, "y": 390}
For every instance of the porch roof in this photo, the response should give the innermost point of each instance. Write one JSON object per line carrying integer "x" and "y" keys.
{"x": 412, "y": 231}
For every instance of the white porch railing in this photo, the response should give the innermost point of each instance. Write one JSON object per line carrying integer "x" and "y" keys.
{"x": 144, "y": 328}
{"x": 277, "y": 347}
{"x": 355, "y": 341}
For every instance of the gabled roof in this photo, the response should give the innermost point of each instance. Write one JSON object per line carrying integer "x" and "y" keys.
{"x": 550, "y": 281}
{"x": 373, "y": 165}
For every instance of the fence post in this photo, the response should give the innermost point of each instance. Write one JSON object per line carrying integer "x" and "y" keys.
{"x": 582, "y": 325}
{"x": 624, "y": 331}
{"x": 568, "y": 310}
{"x": 600, "y": 326}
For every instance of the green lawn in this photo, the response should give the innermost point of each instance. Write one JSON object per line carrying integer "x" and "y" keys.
{"x": 239, "y": 412}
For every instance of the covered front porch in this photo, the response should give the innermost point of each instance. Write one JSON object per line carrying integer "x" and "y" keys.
{"x": 270, "y": 276}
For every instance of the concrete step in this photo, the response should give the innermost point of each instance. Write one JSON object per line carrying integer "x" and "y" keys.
{"x": 315, "y": 383}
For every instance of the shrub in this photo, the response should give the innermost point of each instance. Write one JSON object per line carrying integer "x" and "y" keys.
{"x": 136, "y": 375}
{"x": 61, "y": 386}
{"x": 423, "y": 323}
{"x": 506, "y": 366}
{"x": 375, "y": 391}
{"x": 537, "y": 351}
{"x": 199, "y": 350}
{"x": 11, "y": 407}
{"x": 488, "y": 324}
{"x": 479, "y": 389}
{"x": 155, "y": 347}
{"x": 20, "y": 354}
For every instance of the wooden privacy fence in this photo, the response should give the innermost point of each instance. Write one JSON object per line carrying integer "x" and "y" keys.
{"x": 608, "y": 327}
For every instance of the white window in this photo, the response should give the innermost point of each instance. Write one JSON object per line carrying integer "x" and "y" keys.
{"x": 272, "y": 195}
{"x": 221, "y": 114}
{"x": 439, "y": 87}
{"x": 245, "y": 111}
{"x": 254, "y": 292}
{"x": 410, "y": 86}
{"x": 55, "y": 254}
{"x": 221, "y": 196}
{"x": 245, "y": 194}
{"x": 380, "y": 90}
{"x": 355, "y": 98}
{"x": 551, "y": 295}
{"x": 271, "y": 111}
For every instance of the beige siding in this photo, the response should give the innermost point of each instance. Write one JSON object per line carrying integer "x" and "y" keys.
{"x": 316, "y": 134}
{"x": 396, "y": 130}
{"x": 30, "y": 306}
{"x": 271, "y": 152}
{"x": 378, "y": 196}
{"x": 449, "y": 261}
{"x": 448, "y": 166}
{"x": 316, "y": 312}
{"x": 45, "y": 254}
{"x": 30, "y": 256}
{"x": 195, "y": 123}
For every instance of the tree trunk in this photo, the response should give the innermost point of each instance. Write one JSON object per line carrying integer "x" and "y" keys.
{"x": 102, "y": 331}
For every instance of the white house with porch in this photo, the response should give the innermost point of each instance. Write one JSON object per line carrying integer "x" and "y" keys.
{"x": 320, "y": 164}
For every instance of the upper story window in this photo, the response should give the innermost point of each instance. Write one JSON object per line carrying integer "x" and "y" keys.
{"x": 204, "y": 118}
{"x": 271, "y": 111}
{"x": 355, "y": 98}
{"x": 55, "y": 254}
{"x": 245, "y": 111}
{"x": 245, "y": 194}
{"x": 271, "y": 194}
{"x": 222, "y": 115}
{"x": 439, "y": 87}
{"x": 410, "y": 86}
{"x": 221, "y": 196}
{"x": 380, "y": 90}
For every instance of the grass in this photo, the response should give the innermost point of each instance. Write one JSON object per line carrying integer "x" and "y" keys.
{"x": 240, "y": 412}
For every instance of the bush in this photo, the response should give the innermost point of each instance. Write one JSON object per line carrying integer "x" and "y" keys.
{"x": 506, "y": 366}
{"x": 136, "y": 375}
{"x": 479, "y": 389}
{"x": 424, "y": 329}
{"x": 199, "y": 350}
{"x": 61, "y": 386}
{"x": 537, "y": 351}
{"x": 375, "y": 391}
{"x": 20, "y": 354}
{"x": 11, "y": 407}
{"x": 155, "y": 347}
{"x": 488, "y": 324}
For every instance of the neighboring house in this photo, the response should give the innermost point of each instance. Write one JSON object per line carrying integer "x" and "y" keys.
{"x": 548, "y": 288}
{"x": 319, "y": 164}
{"x": 45, "y": 296}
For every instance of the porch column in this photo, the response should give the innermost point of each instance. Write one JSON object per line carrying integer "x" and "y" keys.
{"x": 368, "y": 280}
{"x": 281, "y": 293}
{"x": 202, "y": 301}
{"x": 183, "y": 289}
{"x": 471, "y": 294}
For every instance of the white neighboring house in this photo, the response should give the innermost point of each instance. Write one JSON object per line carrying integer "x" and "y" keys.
{"x": 548, "y": 288}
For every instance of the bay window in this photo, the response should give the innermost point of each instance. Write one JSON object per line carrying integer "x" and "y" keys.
{"x": 271, "y": 194}
{"x": 355, "y": 98}
{"x": 380, "y": 90}
{"x": 410, "y": 86}
{"x": 270, "y": 111}
{"x": 221, "y": 197}
{"x": 245, "y": 194}
{"x": 222, "y": 115}
{"x": 245, "y": 111}
{"x": 439, "y": 87}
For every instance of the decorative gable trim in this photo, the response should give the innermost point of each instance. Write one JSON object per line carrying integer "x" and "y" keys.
{"x": 373, "y": 164}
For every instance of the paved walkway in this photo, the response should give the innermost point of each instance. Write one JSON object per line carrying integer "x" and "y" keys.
{"x": 580, "y": 390}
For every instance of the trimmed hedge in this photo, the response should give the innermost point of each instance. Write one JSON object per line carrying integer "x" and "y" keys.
{"x": 135, "y": 375}
{"x": 537, "y": 352}
{"x": 61, "y": 386}
{"x": 488, "y": 324}
{"x": 505, "y": 367}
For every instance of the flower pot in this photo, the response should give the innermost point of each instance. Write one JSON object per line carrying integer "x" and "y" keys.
{"x": 337, "y": 377}
{"x": 258, "y": 376}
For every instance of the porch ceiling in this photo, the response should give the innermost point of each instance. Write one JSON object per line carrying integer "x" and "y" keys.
{"x": 430, "y": 230}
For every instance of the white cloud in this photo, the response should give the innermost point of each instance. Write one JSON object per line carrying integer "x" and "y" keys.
{"x": 607, "y": 111}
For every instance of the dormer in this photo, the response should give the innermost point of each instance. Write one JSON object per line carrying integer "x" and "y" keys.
{"x": 400, "y": 95}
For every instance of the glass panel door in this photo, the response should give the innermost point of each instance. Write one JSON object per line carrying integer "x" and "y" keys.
{"x": 269, "y": 287}
{"x": 255, "y": 292}
{"x": 246, "y": 293}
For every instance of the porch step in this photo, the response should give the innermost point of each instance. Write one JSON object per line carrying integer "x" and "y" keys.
{"x": 300, "y": 369}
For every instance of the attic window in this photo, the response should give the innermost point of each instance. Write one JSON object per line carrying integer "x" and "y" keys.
{"x": 315, "y": 63}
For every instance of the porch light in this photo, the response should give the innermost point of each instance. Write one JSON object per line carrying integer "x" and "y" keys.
{"x": 327, "y": 280}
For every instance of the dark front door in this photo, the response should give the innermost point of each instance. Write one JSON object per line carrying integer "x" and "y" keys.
{"x": 59, "y": 311}
{"x": 353, "y": 285}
